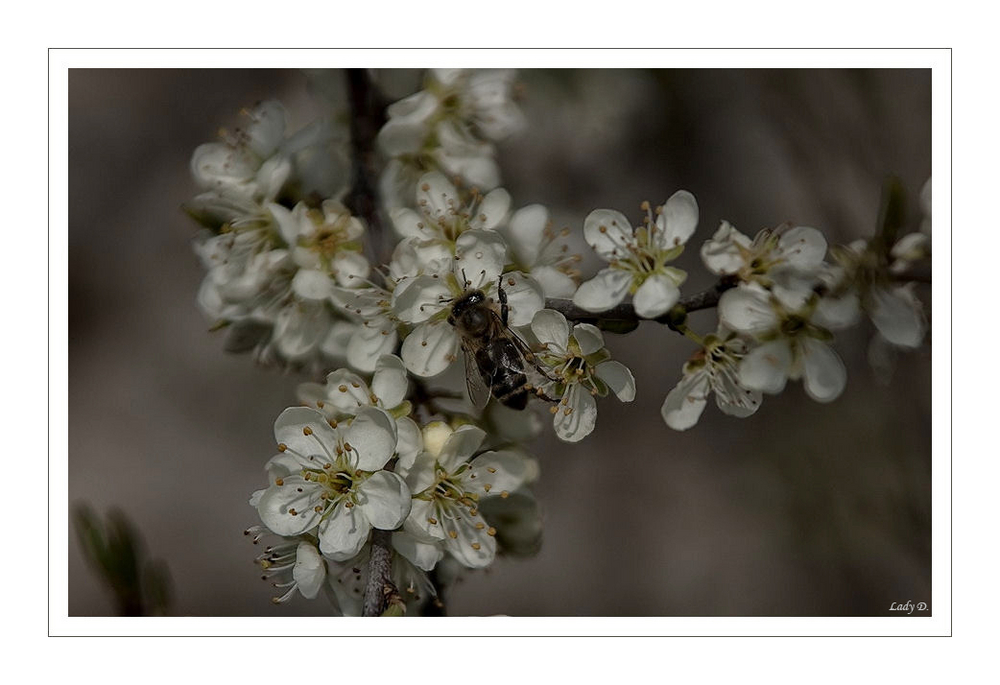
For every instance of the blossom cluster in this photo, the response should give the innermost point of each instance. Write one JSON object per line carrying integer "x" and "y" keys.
{"x": 442, "y": 357}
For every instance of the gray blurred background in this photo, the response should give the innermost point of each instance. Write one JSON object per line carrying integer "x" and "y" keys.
{"x": 802, "y": 509}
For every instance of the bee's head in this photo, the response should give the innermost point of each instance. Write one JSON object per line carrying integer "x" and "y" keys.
{"x": 467, "y": 312}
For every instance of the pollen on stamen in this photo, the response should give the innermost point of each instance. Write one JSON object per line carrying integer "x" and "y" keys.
{"x": 333, "y": 423}
{"x": 342, "y": 388}
{"x": 279, "y": 482}
{"x": 306, "y": 430}
{"x": 480, "y": 525}
{"x": 492, "y": 531}
{"x": 554, "y": 409}
{"x": 504, "y": 494}
{"x": 453, "y": 534}
{"x": 293, "y": 512}
{"x": 487, "y": 487}
{"x": 431, "y": 520}
{"x": 567, "y": 411}
{"x": 355, "y": 384}
{"x": 475, "y": 546}
{"x": 319, "y": 404}
{"x": 282, "y": 447}
{"x": 347, "y": 446}
{"x": 491, "y": 469}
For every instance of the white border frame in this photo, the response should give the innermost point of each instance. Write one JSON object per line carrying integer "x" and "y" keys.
{"x": 939, "y": 60}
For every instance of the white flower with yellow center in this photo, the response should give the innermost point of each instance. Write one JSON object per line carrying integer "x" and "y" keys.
{"x": 292, "y": 564}
{"x": 444, "y": 214}
{"x": 331, "y": 479}
{"x": 792, "y": 342}
{"x": 637, "y": 257}
{"x": 713, "y": 369}
{"x": 448, "y": 484}
{"x": 582, "y": 369}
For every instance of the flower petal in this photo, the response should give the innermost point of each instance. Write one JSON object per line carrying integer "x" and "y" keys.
{"x": 346, "y": 391}
{"x": 575, "y": 419}
{"x": 493, "y": 473}
{"x": 898, "y": 316}
{"x": 429, "y": 348}
{"x": 309, "y": 571}
{"x": 385, "y": 500}
{"x": 588, "y": 337}
{"x": 408, "y": 444}
{"x": 370, "y": 342}
{"x": 312, "y": 284}
{"x": 747, "y": 309}
{"x": 524, "y": 297}
{"x": 420, "y": 299}
{"x": 766, "y": 367}
{"x": 479, "y": 258}
{"x": 551, "y": 329}
{"x": 678, "y": 220}
{"x": 492, "y": 210}
{"x": 372, "y": 436}
{"x": 459, "y": 446}
{"x": 803, "y": 247}
{"x": 306, "y": 432}
{"x": 824, "y": 375}
{"x": 606, "y": 289}
{"x": 436, "y": 196}
{"x": 721, "y": 255}
{"x": 526, "y": 230}
{"x": 684, "y": 404}
{"x": 296, "y": 494}
{"x": 618, "y": 378}
{"x": 608, "y": 232}
{"x": 351, "y": 268}
{"x": 423, "y": 555}
{"x": 656, "y": 296}
{"x": 343, "y": 533}
{"x": 389, "y": 382}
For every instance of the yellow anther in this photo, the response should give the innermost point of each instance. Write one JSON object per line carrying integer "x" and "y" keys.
{"x": 473, "y": 512}
{"x": 567, "y": 411}
{"x": 491, "y": 469}
{"x": 279, "y": 481}
{"x": 480, "y": 525}
{"x": 293, "y": 512}
{"x": 347, "y": 446}
{"x": 487, "y": 487}
{"x": 504, "y": 494}
{"x": 431, "y": 520}
{"x": 355, "y": 384}
{"x": 554, "y": 409}
{"x": 319, "y": 404}
{"x": 603, "y": 229}
{"x": 492, "y": 531}
{"x": 306, "y": 430}
{"x": 318, "y": 509}
{"x": 342, "y": 388}
{"x": 333, "y": 423}
{"x": 452, "y": 534}
{"x": 282, "y": 447}
{"x": 475, "y": 546}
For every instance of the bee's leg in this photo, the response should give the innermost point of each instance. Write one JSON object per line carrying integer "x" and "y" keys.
{"x": 502, "y": 296}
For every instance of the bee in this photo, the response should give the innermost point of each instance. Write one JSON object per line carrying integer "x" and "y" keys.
{"x": 497, "y": 361}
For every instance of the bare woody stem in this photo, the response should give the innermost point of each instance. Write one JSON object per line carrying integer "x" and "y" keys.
{"x": 623, "y": 318}
{"x": 367, "y": 117}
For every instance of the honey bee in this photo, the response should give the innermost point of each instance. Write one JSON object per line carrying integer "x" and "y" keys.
{"x": 497, "y": 361}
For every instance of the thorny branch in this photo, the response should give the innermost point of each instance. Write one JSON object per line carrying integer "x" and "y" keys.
{"x": 367, "y": 117}
{"x": 622, "y": 318}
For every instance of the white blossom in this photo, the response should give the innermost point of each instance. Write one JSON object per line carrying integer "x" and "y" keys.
{"x": 331, "y": 479}
{"x": 637, "y": 257}
{"x": 581, "y": 369}
{"x": 535, "y": 248}
{"x": 792, "y": 343}
{"x": 713, "y": 369}
{"x": 448, "y": 482}
{"x": 293, "y": 564}
{"x": 443, "y": 215}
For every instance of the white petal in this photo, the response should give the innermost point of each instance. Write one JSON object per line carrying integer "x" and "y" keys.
{"x": 835, "y": 313}
{"x": 408, "y": 444}
{"x": 678, "y": 220}
{"x": 409, "y": 224}
{"x": 479, "y": 257}
{"x": 492, "y": 210}
{"x": 575, "y": 420}
{"x": 372, "y": 435}
{"x": 459, "y": 446}
{"x": 554, "y": 282}
{"x": 608, "y": 232}
{"x": 493, "y": 473}
{"x": 299, "y": 328}
{"x": 824, "y": 375}
{"x": 478, "y": 167}
{"x": 277, "y": 502}
{"x": 421, "y": 554}
{"x": 898, "y": 316}
{"x": 747, "y": 309}
{"x": 469, "y": 534}
{"x": 385, "y": 499}
{"x": 267, "y": 129}
{"x": 526, "y": 229}
{"x": 524, "y": 297}
{"x": 684, "y": 404}
{"x": 421, "y": 475}
{"x": 721, "y": 254}
{"x": 343, "y": 533}
{"x": 418, "y": 523}
{"x": 420, "y": 299}
{"x": 618, "y": 378}
{"x": 588, "y": 337}
{"x": 551, "y": 329}
{"x": 309, "y": 571}
{"x": 389, "y": 383}
{"x": 803, "y": 247}
{"x": 346, "y": 391}
{"x": 369, "y": 343}
{"x": 351, "y": 268}
{"x": 311, "y": 284}
{"x": 436, "y": 196}
{"x": 429, "y": 348}
{"x": 305, "y": 431}
{"x": 604, "y": 290}
{"x": 766, "y": 368}
{"x": 656, "y": 296}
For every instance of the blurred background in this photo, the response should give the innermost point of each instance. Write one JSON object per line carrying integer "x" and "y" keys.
{"x": 802, "y": 509}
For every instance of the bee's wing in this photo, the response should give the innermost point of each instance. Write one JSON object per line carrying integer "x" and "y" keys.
{"x": 530, "y": 358}
{"x": 479, "y": 391}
